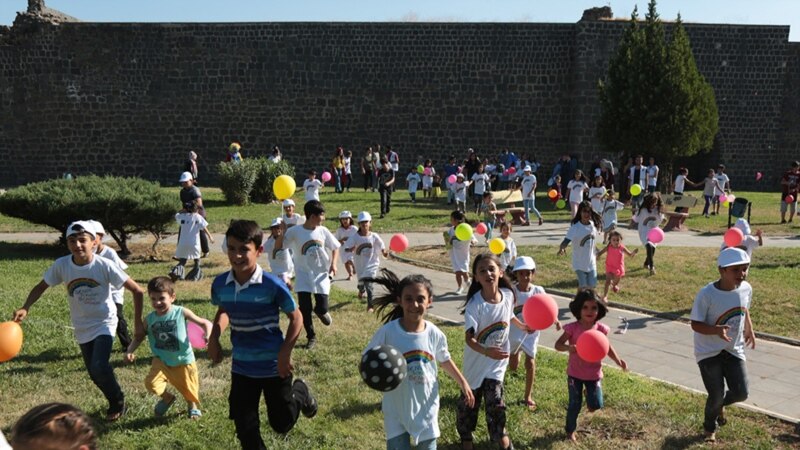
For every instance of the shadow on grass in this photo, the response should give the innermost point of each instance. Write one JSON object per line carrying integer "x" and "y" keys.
{"x": 351, "y": 410}
{"x": 642, "y": 322}
{"x": 793, "y": 439}
{"x": 10, "y": 251}
{"x": 47, "y": 356}
{"x": 675, "y": 442}
{"x": 102, "y": 427}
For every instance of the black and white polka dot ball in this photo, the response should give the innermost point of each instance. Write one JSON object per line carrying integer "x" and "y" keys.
{"x": 383, "y": 368}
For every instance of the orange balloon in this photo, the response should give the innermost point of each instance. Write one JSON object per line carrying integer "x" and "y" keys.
{"x": 10, "y": 340}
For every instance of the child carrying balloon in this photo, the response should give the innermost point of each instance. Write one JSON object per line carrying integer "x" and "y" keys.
{"x": 583, "y": 374}
{"x": 459, "y": 253}
{"x": 509, "y": 253}
{"x": 524, "y": 270}
{"x": 173, "y": 358}
{"x": 749, "y": 242}
{"x": 649, "y": 217}
{"x": 583, "y": 234}
{"x": 615, "y": 262}
{"x": 411, "y": 410}
{"x": 488, "y": 314}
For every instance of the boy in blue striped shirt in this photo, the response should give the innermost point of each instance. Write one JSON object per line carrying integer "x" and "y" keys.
{"x": 250, "y": 301}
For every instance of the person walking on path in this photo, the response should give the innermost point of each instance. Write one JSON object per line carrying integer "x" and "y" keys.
{"x": 790, "y": 186}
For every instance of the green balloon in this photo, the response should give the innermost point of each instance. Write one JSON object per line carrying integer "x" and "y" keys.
{"x": 420, "y": 169}
{"x": 464, "y": 232}
{"x": 560, "y": 204}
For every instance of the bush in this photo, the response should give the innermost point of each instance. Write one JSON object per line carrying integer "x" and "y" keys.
{"x": 268, "y": 171}
{"x": 237, "y": 180}
{"x": 125, "y": 206}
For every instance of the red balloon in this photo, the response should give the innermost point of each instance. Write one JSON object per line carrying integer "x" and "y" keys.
{"x": 540, "y": 311}
{"x": 512, "y": 170}
{"x": 592, "y": 346}
{"x": 481, "y": 228}
{"x": 789, "y": 199}
{"x": 733, "y": 237}
{"x": 398, "y": 243}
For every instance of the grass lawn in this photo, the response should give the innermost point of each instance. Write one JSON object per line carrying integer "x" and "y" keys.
{"x": 681, "y": 272}
{"x": 639, "y": 413}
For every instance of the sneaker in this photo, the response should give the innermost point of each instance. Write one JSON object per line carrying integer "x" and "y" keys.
{"x": 114, "y": 413}
{"x": 311, "y": 343}
{"x": 326, "y": 319}
{"x": 615, "y": 288}
{"x": 459, "y": 291}
{"x": 309, "y": 407}
{"x": 540, "y": 221}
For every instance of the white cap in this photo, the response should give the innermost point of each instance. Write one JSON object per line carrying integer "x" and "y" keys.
{"x": 185, "y": 176}
{"x": 527, "y": 169}
{"x": 743, "y": 225}
{"x": 276, "y": 222}
{"x": 98, "y": 227}
{"x": 288, "y": 202}
{"x": 80, "y": 226}
{"x": 460, "y": 175}
{"x": 364, "y": 216}
{"x": 524, "y": 263}
{"x": 345, "y": 215}
{"x": 732, "y": 256}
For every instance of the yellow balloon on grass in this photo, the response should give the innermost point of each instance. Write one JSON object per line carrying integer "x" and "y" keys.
{"x": 636, "y": 189}
{"x": 284, "y": 187}
{"x": 497, "y": 246}
{"x": 464, "y": 232}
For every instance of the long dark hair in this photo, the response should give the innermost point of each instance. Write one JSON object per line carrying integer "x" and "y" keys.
{"x": 394, "y": 291}
{"x": 583, "y": 296}
{"x": 596, "y": 219}
{"x": 475, "y": 286}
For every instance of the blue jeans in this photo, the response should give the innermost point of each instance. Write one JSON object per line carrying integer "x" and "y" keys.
{"x": 708, "y": 203}
{"x": 587, "y": 279}
{"x": 96, "y": 356}
{"x": 337, "y": 175}
{"x": 489, "y": 227}
{"x": 716, "y": 371}
{"x": 403, "y": 442}
{"x": 594, "y": 399}
{"x": 529, "y": 204}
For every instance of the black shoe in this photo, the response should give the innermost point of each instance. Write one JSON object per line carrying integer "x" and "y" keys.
{"x": 309, "y": 407}
{"x": 311, "y": 343}
{"x": 326, "y": 319}
{"x": 114, "y": 413}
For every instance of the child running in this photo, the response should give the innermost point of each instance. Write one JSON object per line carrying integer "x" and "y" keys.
{"x": 555, "y": 185}
{"x": 710, "y": 188}
{"x": 428, "y": 174}
{"x": 583, "y": 234}
{"x": 576, "y": 188}
{"x": 280, "y": 260}
{"x": 615, "y": 262}
{"x": 524, "y": 270}
{"x": 750, "y": 242}
{"x": 366, "y": 248}
{"x": 509, "y": 255}
{"x": 346, "y": 229}
{"x": 649, "y": 216}
{"x": 413, "y": 179}
{"x": 117, "y": 294}
{"x": 89, "y": 281}
{"x": 481, "y": 183}
{"x": 312, "y": 186}
{"x": 488, "y": 314}
{"x": 459, "y": 253}
{"x": 411, "y": 411}
{"x": 173, "y": 358}
{"x": 528, "y": 187}
{"x": 290, "y": 217}
{"x": 583, "y": 375}
{"x": 191, "y": 225}
{"x": 609, "y": 214}
{"x": 460, "y": 192}
{"x": 597, "y": 194}
{"x": 487, "y": 209}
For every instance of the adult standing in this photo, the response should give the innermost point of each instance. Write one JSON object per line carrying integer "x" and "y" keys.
{"x": 790, "y": 185}
{"x": 637, "y": 175}
{"x": 337, "y": 166}
{"x": 368, "y": 170}
{"x": 191, "y": 165}
{"x": 652, "y": 176}
{"x": 190, "y": 194}
{"x": 394, "y": 162}
{"x": 385, "y": 183}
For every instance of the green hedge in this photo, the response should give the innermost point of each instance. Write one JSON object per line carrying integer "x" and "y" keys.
{"x": 125, "y": 206}
{"x": 251, "y": 179}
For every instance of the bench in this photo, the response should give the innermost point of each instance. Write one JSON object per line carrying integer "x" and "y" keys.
{"x": 510, "y": 197}
{"x": 676, "y": 219}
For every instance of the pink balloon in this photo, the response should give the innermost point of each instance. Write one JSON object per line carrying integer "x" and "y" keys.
{"x": 481, "y": 228}
{"x": 592, "y": 346}
{"x": 197, "y": 336}
{"x": 723, "y": 198}
{"x": 733, "y": 237}
{"x": 540, "y": 311}
{"x": 326, "y": 176}
{"x": 655, "y": 235}
{"x": 789, "y": 199}
{"x": 426, "y": 171}
{"x": 398, "y": 243}
{"x": 451, "y": 179}
{"x": 759, "y": 175}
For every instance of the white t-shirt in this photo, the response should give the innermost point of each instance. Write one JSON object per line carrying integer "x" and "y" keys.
{"x": 490, "y": 323}
{"x": 652, "y": 175}
{"x": 192, "y": 225}
{"x": 480, "y": 180}
{"x": 596, "y": 195}
{"x": 576, "y": 188}
{"x": 528, "y": 186}
{"x": 342, "y": 235}
{"x": 280, "y": 261}
{"x": 520, "y": 340}
{"x": 427, "y": 180}
{"x": 713, "y": 306}
{"x": 583, "y": 251}
{"x": 459, "y": 254}
{"x": 749, "y": 243}
{"x": 111, "y": 255}
{"x": 347, "y": 169}
{"x": 413, "y": 180}
{"x": 509, "y": 255}
{"x": 296, "y": 219}
{"x": 413, "y": 407}
{"x": 394, "y": 160}
{"x": 680, "y": 183}
{"x": 366, "y": 253}
{"x": 460, "y": 190}
{"x": 647, "y": 220}
{"x": 312, "y": 189}
{"x": 311, "y": 254}
{"x": 722, "y": 179}
{"x": 610, "y": 208}
{"x": 91, "y": 306}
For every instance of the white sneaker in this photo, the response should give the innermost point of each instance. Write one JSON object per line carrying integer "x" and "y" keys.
{"x": 459, "y": 290}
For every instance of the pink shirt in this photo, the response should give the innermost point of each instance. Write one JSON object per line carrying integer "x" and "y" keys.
{"x": 576, "y": 367}
{"x": 615, "y": 261}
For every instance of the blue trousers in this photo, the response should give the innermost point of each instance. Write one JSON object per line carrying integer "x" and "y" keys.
{"x": 529, "y": 204}
{"x": 716, "y": 371}
{"x": 594, "y": 399}
{"x": 96, "y": 355}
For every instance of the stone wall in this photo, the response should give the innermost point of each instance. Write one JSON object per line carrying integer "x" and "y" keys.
{"x": 133, "y": 99}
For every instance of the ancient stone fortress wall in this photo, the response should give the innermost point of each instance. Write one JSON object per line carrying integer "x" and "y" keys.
{"x": 133, "y": 99}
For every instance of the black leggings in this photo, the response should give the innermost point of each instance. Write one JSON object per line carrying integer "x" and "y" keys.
{"x": 651, "y": 252}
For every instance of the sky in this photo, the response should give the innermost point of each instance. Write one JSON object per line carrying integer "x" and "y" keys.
{"x": 766, "y": 12}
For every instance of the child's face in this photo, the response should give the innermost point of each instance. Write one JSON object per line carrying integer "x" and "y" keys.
{"x": 586, "y": 215}
{"x": 577, "y": 175}
{"x": 242, "y": 256}
{"x": 365, "y": 226}
{"x": 289, "y": 210}
{"x": 734, "y": 275}
{"x": 311, "y": 176}
{"x": 276, "y": 231}
{"x": 710, "y": 173}
{"x": 524, "y": 276}
{"x": 488, "y": 273}
{"x": 345, "y": 223}
{"x": 505, "y": 231}
{"x": 414, "y": 300}
{"x": 487, "y": 200}
{"x": 81, "y": 246}
{"x": 598, "y": 181}
{"x": 161, "y": 301}
{"x": 454, "y": 222}
{"x": 615, "y": 241}
{"x": 589, "y": 311}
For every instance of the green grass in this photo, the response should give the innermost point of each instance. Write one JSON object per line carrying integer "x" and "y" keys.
{"x": 681, "y": 272}
{"x": 640, "y": 413}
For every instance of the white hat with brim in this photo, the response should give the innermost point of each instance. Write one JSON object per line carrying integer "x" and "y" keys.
{"x": 364, "y": 216}
{"x": 276, "y": 222}
{"x": 80, "y": 226}
{"x": 732, "y": 256}
{"x": 526, "y": 169}
{"x": 288, "y": 202}
{"x": 524, "y": 263}
{"x": 185, "y": 176}
{"x": 345, "y": 215}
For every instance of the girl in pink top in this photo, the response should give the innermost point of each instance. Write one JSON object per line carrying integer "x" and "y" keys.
{"x": 615, "y": 261}
{"x": 588, "y": 309}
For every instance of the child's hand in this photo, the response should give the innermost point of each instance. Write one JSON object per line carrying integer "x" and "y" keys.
{"x": 722, "y": 332}
{"x": 495, "y": 353}
{"x": 624, "y": 365}
{"x": 19, "y": 315}
{"x": 214, "y": 351}
{"x": 469, "y": 398}
{"x": 561, "y": 251}
{"x": 210, "y": 238}
{"x": 749, "y": 339}
{"x": 130, "y": 357}
{"x": 635, "y": 251}
{"x": 558, "y": 325}
{"x": 572, "y": 349}
{"x": 759, "y": 233}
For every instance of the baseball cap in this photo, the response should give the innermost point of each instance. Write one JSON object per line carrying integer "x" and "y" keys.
{"x": 185, "y": 176}
{"x": 524, "y": 263}
{"x": 527, "y": 169}
{"x": 345, "y": 215}
{"x": 743, "y": 225}
{"x": 276, "y": 222}
{"x": 97, "y": 226}
{"x": 364, "y": 216}
{"x": 460, "y": 175}
{"x": 732, "y": 256}
{"x": 80, "y": 226}
{"x": 288, "y": 202}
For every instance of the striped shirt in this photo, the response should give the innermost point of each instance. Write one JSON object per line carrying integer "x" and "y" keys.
{"x": 254, "y": 312}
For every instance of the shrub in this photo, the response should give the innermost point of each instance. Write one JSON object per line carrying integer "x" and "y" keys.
{"x": 237, "y": 180}
{"x": 268, "y": 171}
{"x": 125, "y": 206}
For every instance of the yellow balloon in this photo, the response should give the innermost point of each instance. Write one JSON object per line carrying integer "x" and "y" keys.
{"x": 497, "y": 246}
{"x": 464, "y": 232}
{"x": 284, "y": 187}
{"x": 636, "y": 189}
{"x": 726, "y": 203}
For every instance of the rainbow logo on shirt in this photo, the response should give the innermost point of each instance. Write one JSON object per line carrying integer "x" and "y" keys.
{"x": 586, "y": 239}
{"x": 483, "y": 336}
{"x": 648, "y": 220}
{"x": 310, "y": 245}
{"x": 733, "y": 313}
{"x": 420, "y": 356}
{"x": 78, "y": 283}
{"x": 276, "y": 252}
{"x": 367, "y": 246}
